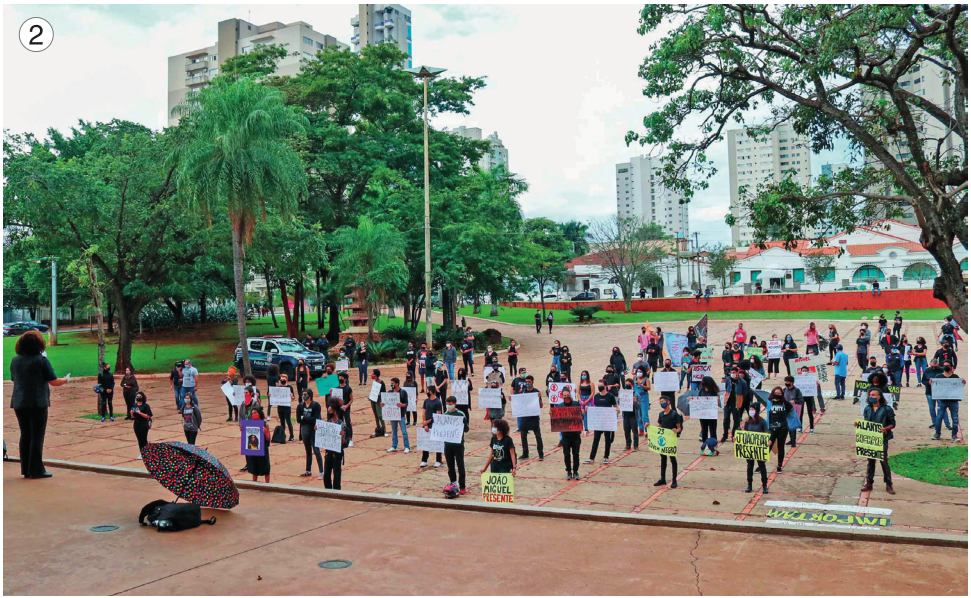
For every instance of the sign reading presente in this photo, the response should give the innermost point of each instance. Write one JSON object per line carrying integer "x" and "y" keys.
{"x": 497, "y": 487}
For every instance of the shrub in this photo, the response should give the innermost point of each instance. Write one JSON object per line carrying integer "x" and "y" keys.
{"x": 401, "y": 333}
{"x": 492, "y": 336}
{"x": 585, "y": 312}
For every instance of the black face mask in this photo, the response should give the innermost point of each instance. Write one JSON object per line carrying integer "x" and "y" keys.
{"x": 601, "y": 388}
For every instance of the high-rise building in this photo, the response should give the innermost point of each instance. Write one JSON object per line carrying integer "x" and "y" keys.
{"x": 752, "y": 162}
{"x": 377, "y": 23}
{"x": 642, "y": 195}
{"x": 192, "y": 70}
{"x": 497, "y": 154}
{"x": 832, "y": 169}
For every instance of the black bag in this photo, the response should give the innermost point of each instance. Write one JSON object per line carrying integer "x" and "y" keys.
{"x": 172, "y": 517}
{"x": 279, "y": 435}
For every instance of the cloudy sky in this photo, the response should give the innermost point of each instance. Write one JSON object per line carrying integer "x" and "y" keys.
{"x": 562, "y": 86}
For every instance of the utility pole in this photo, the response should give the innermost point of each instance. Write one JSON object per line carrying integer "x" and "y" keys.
{"x": 698, "y": 259}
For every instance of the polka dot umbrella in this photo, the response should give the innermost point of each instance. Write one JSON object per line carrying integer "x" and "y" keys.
{"x": 191, "y": 473}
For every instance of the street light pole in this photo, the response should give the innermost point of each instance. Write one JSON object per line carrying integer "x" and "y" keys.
{"x": 426, "y": 73}
{"x": 52, "y": 331}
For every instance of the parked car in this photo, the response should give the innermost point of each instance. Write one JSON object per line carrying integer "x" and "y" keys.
{"x": 585, "y": 296}
{"x": 772, "y": 292}
{"x": 18, "y": 328}
{"x": 36, "y": 325}
{"x": 684, "y": 293}
{"x": 852, "y": 288}
{"x": 284, "y": 352}
{"x": 553, "y": 297}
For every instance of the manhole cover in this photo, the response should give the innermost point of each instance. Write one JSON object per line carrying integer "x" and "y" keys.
{"x": 335, "y": 564}
{"x": 104, "y": 528}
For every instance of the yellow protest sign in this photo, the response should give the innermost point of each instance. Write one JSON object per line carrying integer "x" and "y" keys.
{"x": 662, "y": 441}
{"x": 497, "y": 487}
{"x": 752, "y": 445}
{"x": 869, "y": 439}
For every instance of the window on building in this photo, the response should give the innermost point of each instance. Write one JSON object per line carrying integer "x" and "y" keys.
{"x": 923, "y": 271}
{"x": 247, "y": 49}
{"x": 799, "y": 275}
{"x": 308, "y": 41}
{"x": 755, "y": 275}
{"x": 868, "y": 274}
{"x": 320, "y": 46}
{"x": 735, "y": 277}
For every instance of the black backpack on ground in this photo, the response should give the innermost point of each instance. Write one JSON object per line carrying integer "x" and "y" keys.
{"x": 172, "y": 517}
{"x": 279, "y": 435}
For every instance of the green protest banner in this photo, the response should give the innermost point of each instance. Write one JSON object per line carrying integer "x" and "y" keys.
{"x": 707, "y": 355}
{"x": 869, "y": 439}
{"x": 750, "y": 351}
{"x": 662, "y": 441}
{"x": 325, "y": 384}
{"x": 497, "y": 487}
{"x": 752, "y": 445}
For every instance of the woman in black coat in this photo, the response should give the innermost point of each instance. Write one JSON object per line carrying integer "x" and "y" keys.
{"x": 32, "y": 377}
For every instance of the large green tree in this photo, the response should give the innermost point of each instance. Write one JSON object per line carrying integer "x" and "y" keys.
{"x": 237, "y": 162}
{"x": 576, "y": 233}
{"x": 623, "y": 252}
{"x": 544, "y": 252}
{"x": 832, "y": 71}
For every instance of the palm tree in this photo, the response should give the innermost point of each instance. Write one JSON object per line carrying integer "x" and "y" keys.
{"x": 576, "y": 233}
{"x": 237, "y": 160}
{"x": 371, "y": 259}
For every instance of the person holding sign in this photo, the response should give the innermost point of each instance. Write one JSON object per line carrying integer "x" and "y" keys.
{"x": 283, "y": 411}
{"x": 773, "y": 352}
{"x": 566, "y": 364}
{"x": 502, "y": 457}
{"x": 586, "y": 397}
{"x": 467, "y": 407}
{"x": 334, "y": 460}
{"x": 629, "y": 418}
{"x": 755, "y": 423}
{"x": 878, "y": 411}
{"x": 347, "y": 398}
{"x": 812, "y": 339}
{"x": 512, "y": 356}
{"x": 377, "y": 387}
{"x": 937, "y": 385}
{"x": 602, "y": 399}
{"x": 570, "y": 441}
{"x": 790, "y": 351}
{"x": 258, "y": 465}
{"x": 308, "y": 412}
{"x": 531, "y": 424}
{"x": 402, "y": 421}
{"x": 455, "y": 451}
{"x": 709, "y": 427}
{"x": 779, "y": 409}
{"x": 430, "y": 407}
{"x": 671, "y": 420}
{"x": 642, "y": 400}
{"x": 798, "y": 400}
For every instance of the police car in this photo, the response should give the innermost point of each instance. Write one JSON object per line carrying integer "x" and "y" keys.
{"x": 282, "y": 351}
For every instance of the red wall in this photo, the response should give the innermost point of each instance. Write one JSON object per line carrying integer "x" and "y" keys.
{"x": 843, "y": 300}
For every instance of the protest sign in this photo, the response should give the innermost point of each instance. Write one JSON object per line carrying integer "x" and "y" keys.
{"x": 701, "y": 328}
{"x": 602, "y": 418}
{"x": 328, "y": 436}
{"x": 490, "y": 398}
{"x": 425, "y": 443}
{"x": 703, "y": 407}
{"x": 810, "y": 361}
{"x": 774, "y": 347}
{"x": 625, "y": 399}
{"x": 566, "y": 419}
{"x": 227, "y": 389}
{"x": 252, "y": 440}
{"x": 806, "y": 383}
{"x": 460, "y": 388}
{"x": 488, "y": 369}
{"x": 675, "y": 344}
{"x": 756, "y": 351}
{"x": 325, "y": 384}
{"x": 707, "y": 355}
{"x": 390, "y": 412}
{"x": 756, "y": 378}
{"x": 947, "y": 389}
{"x": 497, "y": 487}
{"x": 699, "y": 371}
{"x": 280, "y": 396}
{"x": 447, "y": 428}
{"x": 337, "y": 393}
{"x": 342, "y": 365}
{"x": 869, "y": 439}
{"x": 752, "y": 445}
{"x": 412, "y": 393}
{"x": 375, "y": 393}
{"x": 662, "y": 441}
{"x": 525, "y": 404}
{"x": 556, "y": 391}
{"x": 667, "y": 381}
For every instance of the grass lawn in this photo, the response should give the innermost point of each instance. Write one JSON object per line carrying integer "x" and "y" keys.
{"x": 210, "y": 347}
{"x": 936, "y": 465}
{"x": 524, "y": 315}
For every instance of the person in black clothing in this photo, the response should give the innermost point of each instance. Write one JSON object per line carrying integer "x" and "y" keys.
{"x": 653, "y": 354}
{"x": 898, "y": 322}
{"x": 303, "y": 376}
{"x": 175, "y": 383}
{"x": 618, "y": 362}
{"x": 738, "y": 395}
{"x": 411, "y": 417}
{"x": 142, "y": 414}
{"x": 878, "y": 411}
{"x": 283, "y": 412}
{"x": 32, "y": 377}
{"x": 570, "y": 442}
{"x": 755, "y": 423}
{"x": 107, "y": 383}
{"x": 790, "y": 351}
{"x": 531, "y": 424}
{"x": 129, "y": 386}
{"x": 347, "y": 395}
{"x": 379, "y": 427}
{"x": 669, "y": 419}
{"x": 455, "y": 451}
{"x": 612, "y": 379}
{"x": 441, "y": 379}
{"x": 350, "y": 348}
{"x": 549, "y": 320}
{"x": 629, "y": 418}
{"x": 946, "y": 354}
{"x": 272, "y": 377}
{"x": 322, "y": 346}
{"x": 430, "y": 407}
{"x": 862, "y": 348}
{"x": 709, "y": 427}
{"x": 512, "y": 356}
{"x": 566, "y": 364}
{"x": 410, "y": 359}
{"x": 308, "y": 412}
{"x": 602, "y": 399}
{"x": 333, "y": 460}
{"x": 778, "y": 410}
{"x": 468, "y": 347}
{"x": 363, "y": 358}
{"x": 502, "y": 456}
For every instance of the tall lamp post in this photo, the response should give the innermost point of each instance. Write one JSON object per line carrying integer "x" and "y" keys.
{"x": 425, "y": 73}
{"x": 52, "y": 331}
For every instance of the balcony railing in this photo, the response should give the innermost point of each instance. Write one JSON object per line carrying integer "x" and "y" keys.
{"x": 195, "y": 66}
{"x": 197, "y": 80}
{"x": 389, "y": 24}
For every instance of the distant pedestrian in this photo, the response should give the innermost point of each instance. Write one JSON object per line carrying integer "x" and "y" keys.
{"x": 106, "y": 381}
{"x": 363, "y": 358}
{"x": 450, "y": 356}
{"x": 512, "y": 356}
{"x": 189, "y": 377}
{"x": 898, "y": 323}
{"x": 875, "y": 289}
{"x": 129, "y": 386}
{"x": 539, "y": 321}
{"x": 549, "y": 320}
{"x": 755, "y": 423}
{"x": 191, "y": 422}
{"x": 32, "y": 377}
{"x": 175, "y": 383}
{"x": 142, "y": 414}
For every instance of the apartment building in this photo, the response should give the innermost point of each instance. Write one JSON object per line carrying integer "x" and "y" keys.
{"x": 497, "y": 154}
{"x": 194, "y": 69}
{"x": 378, "y": 23}
{"x": 640, "y": 194}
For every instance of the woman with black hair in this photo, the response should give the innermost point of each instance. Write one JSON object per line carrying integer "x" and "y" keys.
{"x": 755, "y": 423}
{"x": 129, "y": 386}
{"x": 308, "y": 412}
{"x": 779, "y": 409}
{"x": 709, "y": 427}
{"x": 142, "y": 414}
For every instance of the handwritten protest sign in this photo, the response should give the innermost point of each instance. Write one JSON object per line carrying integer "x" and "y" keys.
{"x": 412, "y": 393}
{"x": 625, "y": 399}
{"x": 227, "y": 389}
{"x": 774, "y": 347}
{"x": 497, "y": 487}
{"x": 703, "y": 407}
{"x": 390, "y": 412}
{"x": 756, "y": 351}
{"x": 699, "y": 371}
{"x": 869, "y": 439}
{"x": 490, "y": 398}
{"x": 239, "y": 395}
{"x": 375, "y": 393}
{"x": 337, "y": 393}
{"x": 556, "y": 391}
{"x": 662, "y": 441}
{"x": 328, "y": 436}
{"x": 947, "y": 389}
{"x": 525, "y": 404}
{"x": 447, "y": 428}
{"x": 488, "y": 369}
{"x": 752, "y": 445}
{"x": 806, "y": 383}
{"x": 756, "y": 378}
{"x": 280, "y": 396}
{"x": 602, "y": 418}
{"x": 675, "y": 344}
{"x": 460, "y": 388}
{"x": 425, "y": 443}
{"x": 707, "y": 355}
{"x": 566, "y": 419}
{"x": 666, "y": 381}
{"x": 342, "y": 365}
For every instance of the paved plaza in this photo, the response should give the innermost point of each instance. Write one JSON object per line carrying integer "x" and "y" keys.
{"x": 822, "y": 469}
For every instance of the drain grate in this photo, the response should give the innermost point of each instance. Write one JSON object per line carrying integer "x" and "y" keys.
{"x": 335, "y": 564}
{"x": 104, "y": 528}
